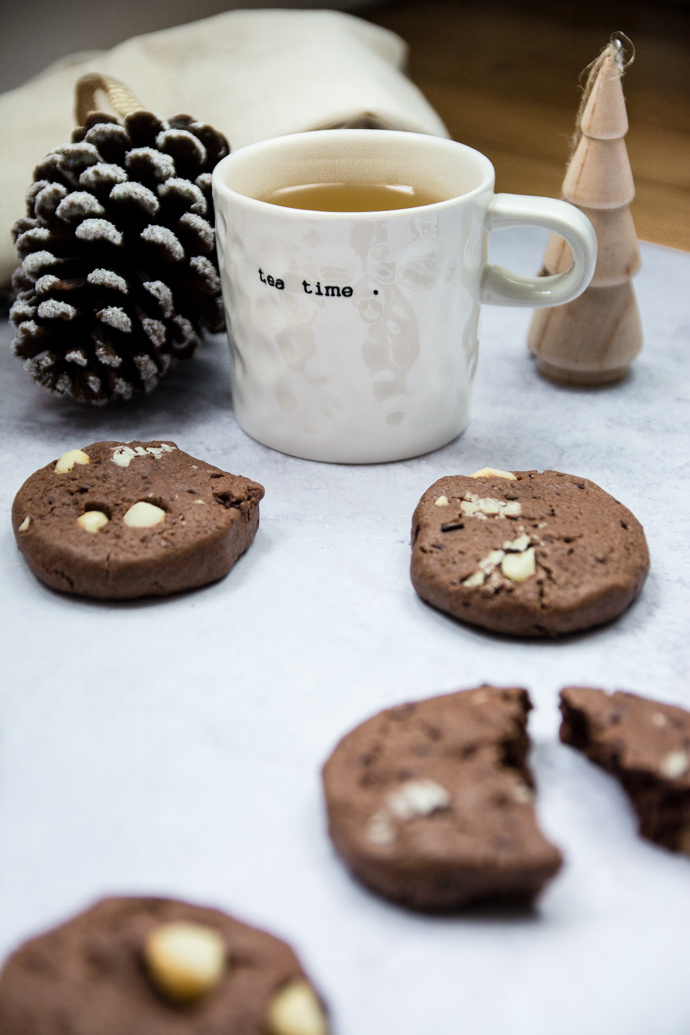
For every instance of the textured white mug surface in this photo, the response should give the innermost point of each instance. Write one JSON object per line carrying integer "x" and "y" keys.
{"x": 353, "y": 335}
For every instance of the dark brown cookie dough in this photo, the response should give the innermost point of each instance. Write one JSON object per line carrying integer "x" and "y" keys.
{"x": 646, "y": 745}
{"x": 430, "y": 804}
{"x": 206, "y": 518}
{"x": 90, "y": 976}
{"x": 529, "y": 555}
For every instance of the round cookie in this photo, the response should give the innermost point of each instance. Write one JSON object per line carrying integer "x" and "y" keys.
{"x": 117, "y": 521}
{"x": 430, "y": 804}
{"x": 132, "y": 966}
{"x": 526, "y": 553}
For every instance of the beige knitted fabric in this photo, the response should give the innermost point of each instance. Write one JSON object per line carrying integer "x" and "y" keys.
{"x": 251, "y": 74}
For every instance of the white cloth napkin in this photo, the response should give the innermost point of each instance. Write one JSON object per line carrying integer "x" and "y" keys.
{"x": 251, "y": 74}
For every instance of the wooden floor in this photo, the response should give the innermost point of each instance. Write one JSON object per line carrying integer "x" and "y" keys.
{"x": 503, "y": 74}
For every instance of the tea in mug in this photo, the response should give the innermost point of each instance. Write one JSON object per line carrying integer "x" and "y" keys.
{"x": 351, "y": 197}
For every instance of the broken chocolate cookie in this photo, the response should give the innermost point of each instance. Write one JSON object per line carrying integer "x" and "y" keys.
{"x": 646, "y": 746}
{"x": 431, "y": 804}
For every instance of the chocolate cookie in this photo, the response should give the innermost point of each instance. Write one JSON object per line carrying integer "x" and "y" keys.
{"x": 117, "y": 521}
{"x": 431, "y": 804}
{"x": 526, "y": 553}
{"x": 153, "y": 966}
{"x": 646, "y": 745}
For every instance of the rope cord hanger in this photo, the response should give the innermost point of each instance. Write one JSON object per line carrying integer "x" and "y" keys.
{"x": 618, "y": 47}
{"x": 118, "y": 93}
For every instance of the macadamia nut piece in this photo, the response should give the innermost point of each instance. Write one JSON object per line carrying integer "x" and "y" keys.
{"x": 295, "y": 1010}
{"x": 144, "y": 515}
{"x": 519, "y": 566}
{"x": 69, "y": 459}
{"x": 93, "y": 520}
{"x": 492, "y": 472}
{"x": 185, "y": 961}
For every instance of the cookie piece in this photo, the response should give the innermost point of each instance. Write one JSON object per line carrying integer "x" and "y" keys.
{"x": 430, "y": 804}
{"x": 101, "y": 974}
{"x": 117, "y": 521}
{"x": 525, "y": 553}
{"x": 646, "y": 746}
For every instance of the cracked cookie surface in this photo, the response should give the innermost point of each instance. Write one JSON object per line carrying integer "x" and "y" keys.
{"x": 646, "y": 745}
{"x": 430, "y": 804}
{"x": 116, "y": 521}
{"x": 527, "y": 553}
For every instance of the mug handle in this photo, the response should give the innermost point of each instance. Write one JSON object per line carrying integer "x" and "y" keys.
{"x": 501, "y": 286}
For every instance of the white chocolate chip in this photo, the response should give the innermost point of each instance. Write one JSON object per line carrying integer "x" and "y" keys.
{"x": 93, "y": 520}
{"x": 658, "y": 718}
{"x": 185, "y": 960}
{"x": 468, "y": 507}
{"x": 380, "y": 830}
{"x": 523, "y": 794}
{"x": 517, "y": 545}
{"x": 519, "y": 566}
{"x": 675, "y": 764}
{"x": 24, "y": 527}
{"x": 492, "y": 472}
{"x": 144, "y": 515}
{"x": 418, "y": 798}
{"x": 295, "y": 1010}
{"x": 442, "y": 501}
{"x": 203, "y": 502}
{"x": 475, "y": 580}
{"x": 69, "y": 459}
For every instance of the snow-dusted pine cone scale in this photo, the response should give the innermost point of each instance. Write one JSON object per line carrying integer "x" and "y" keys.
{"x": 119, "y": 271}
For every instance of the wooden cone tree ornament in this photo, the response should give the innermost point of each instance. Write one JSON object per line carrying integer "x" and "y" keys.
{"x": 593, "y": 339}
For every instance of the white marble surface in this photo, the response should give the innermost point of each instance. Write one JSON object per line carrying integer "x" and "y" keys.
{"x": 174, "y": 746}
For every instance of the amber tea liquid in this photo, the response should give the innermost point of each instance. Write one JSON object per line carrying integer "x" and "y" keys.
{"x": 350, "y": 197}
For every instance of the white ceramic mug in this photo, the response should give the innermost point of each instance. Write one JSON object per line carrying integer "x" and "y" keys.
{"x": 353, "y": 335}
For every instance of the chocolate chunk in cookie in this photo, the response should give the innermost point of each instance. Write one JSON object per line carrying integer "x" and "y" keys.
{"x": 431, "y": 804}
{"x": 526, "y": 553}
{"x": 152, "y": 966}
{"x": 646, "y": 745}
{"x": 118, "y": 521}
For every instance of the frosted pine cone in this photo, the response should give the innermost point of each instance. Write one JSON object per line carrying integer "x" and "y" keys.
{"x": 119, "y": 270}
